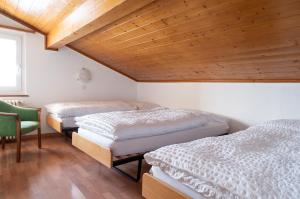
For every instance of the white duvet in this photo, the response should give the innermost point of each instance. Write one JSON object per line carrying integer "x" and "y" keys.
{"x": 77, "y": 109}
{"x": 141, "y": 123}
{"x": 260, "y": 162}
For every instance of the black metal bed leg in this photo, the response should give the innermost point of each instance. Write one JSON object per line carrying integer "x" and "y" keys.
{"x": 124, "y": 161}
{"x": 64, "y": 132}
{"x": 138, "y": 175}
{"x": 67, "y": 132}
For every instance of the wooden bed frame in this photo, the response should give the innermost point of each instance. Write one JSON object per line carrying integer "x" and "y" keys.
{"x": 54, "y": 123}
{"x": 58, "y": 126}
{"x": 101, "y": 154}
{"x": 154, "y": 188}
{"x": 105, "y": 155}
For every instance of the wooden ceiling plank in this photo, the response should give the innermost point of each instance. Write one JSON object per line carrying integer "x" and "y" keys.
{"x": 147, "y": 21}
{"x": 176, "y": 17}
{"x": 33, "y": 16}
{"x": 290, "y": 31}
{"x": 91, "y": 16}
{"x": 63, "y": 13}
{"x": 209, "y": 54}
{"x": 207, "y": 29}
{"x": 48, "y": 15}
{"x": 140, "y": 15}
{"x": 52, "y": 14}
{"x": 120, "y": 34}
{"x": 150, "y": 18}
{"x": 24, "y": 7}
{"x": 130, "y": 26}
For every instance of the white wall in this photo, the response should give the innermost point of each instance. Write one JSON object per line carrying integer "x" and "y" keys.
{"x": 50, "y": 77}
{"x": 244, "y": 103}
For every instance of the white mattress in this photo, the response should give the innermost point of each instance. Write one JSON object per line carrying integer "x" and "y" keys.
{"x": 159, "y": 174}
{"x": 145, "y": 144}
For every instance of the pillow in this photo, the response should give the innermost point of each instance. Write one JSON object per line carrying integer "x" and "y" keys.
{"x": 144, "y": 105}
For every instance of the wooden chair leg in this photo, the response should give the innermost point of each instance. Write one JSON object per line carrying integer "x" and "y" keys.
{"x": 18, "y": 139}
{"x": 3, "y": 142}
{"x": 39, "y": 130}
{"x": 39, "y": 138}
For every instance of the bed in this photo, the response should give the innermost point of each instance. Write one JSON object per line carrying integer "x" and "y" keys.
{"x": 259, "y": 162}
{"x": 61, "y": 116}
{"x": 120, "y": 137}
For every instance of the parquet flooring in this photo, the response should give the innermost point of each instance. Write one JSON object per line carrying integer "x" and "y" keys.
{"x": 60, "y": 171}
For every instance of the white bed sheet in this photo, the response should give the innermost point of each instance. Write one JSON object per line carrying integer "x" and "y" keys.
{"x": 145, "y": 144}
{"x": 159, "y": 174}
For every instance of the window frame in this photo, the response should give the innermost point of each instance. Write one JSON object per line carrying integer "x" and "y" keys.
{"x": 20, "y": 89}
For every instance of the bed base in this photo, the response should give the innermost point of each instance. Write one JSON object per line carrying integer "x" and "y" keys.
{"x": 122, "y": 160}
{"x": 153, "y": 188}
{"x": 58, "y": 127}
{"x": 105, "y": 156}
{"x": 69, "y": 131}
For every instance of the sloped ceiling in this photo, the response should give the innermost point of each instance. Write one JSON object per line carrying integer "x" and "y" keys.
{"x": 176, "y": 40}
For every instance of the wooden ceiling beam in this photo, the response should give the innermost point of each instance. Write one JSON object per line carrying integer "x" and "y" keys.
{"x": 89, "y": 17}
{"x": 17, "y": 19}
{"x": 16, "y": 28}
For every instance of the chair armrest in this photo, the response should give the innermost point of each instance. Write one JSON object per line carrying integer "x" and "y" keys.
{"x": 27, "y": 107}
{"x": 27, "y": 114}
{"x": 9, "y": 114}
{"x": 9, "y": 123}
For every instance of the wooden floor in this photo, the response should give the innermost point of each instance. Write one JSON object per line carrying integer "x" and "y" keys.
{"x": 58, "y": 171}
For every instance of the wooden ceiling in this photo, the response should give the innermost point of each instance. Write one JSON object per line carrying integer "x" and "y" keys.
{"x": 42, "y": 14}
{"x": 175, "y": 40}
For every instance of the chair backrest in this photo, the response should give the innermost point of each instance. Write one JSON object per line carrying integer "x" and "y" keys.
{"x": 14, "y": 102}
{"x": 5, "y": 107}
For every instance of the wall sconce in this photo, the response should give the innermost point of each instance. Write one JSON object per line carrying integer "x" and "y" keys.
{"x": 84, "y": 76}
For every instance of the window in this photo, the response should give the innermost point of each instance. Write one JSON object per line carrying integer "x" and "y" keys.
{"x": 11, "y": 74}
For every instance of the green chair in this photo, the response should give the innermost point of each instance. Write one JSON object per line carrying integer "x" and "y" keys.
{"x": 17, "y": 121}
